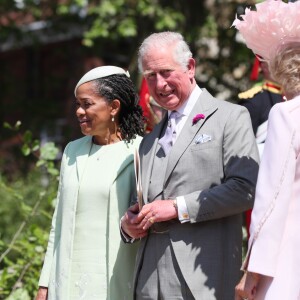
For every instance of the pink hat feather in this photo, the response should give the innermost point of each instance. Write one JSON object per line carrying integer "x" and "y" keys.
{"x": 271, "y": 26}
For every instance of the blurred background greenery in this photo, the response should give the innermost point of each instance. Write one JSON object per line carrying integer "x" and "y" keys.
{"x": 45, "y": 47}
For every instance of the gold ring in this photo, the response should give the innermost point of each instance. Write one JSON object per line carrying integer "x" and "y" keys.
{"x": 151, "y": 220}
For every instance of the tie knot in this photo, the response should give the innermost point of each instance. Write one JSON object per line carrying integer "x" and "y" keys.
{"x": 169, "y": 137}
{"x": 174, "y": 115}
{"x": 172, "y": 118}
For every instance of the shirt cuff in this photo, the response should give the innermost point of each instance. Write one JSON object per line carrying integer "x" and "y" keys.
{"x": 183, "y": 214}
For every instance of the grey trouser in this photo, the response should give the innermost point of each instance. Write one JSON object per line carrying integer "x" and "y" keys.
{"x": 160, "y": 277}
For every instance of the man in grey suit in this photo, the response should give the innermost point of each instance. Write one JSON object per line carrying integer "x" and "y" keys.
{"x": 199, "y": 169}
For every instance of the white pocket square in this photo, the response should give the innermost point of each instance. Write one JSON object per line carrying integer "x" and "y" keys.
{"x": 203, "y": 138}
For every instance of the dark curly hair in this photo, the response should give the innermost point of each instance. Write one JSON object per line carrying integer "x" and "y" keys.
{"x": 119, "y": 86}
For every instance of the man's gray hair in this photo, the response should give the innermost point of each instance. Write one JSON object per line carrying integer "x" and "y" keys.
{"x": 181, "y": 54}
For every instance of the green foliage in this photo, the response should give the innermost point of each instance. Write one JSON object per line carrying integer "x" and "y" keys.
{"x": 114, "y": 19}
{"x": 23, "y": 264}
{"x": 115, "y": 28}
{"x": 210, "y": 28}
{"x": 25, "y": 217}
{"x": 19, "y": 294}
{"x": 16, "y": 127}
{"x": 48, "y": 154}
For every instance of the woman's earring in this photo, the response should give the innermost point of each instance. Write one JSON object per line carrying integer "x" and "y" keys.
{"x": 112, "y": 118}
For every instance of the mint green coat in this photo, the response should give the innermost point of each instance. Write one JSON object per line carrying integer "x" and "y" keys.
{"x": 120, "y": 257}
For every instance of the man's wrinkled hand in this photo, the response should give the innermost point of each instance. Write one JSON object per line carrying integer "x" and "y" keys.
{"x": 156, "y": 211}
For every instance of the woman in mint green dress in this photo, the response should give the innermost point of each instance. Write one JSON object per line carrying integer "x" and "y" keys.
{"x": 86, "y": 258}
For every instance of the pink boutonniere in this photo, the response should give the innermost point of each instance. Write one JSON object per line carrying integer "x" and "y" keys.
{"x": 197, "y": 118}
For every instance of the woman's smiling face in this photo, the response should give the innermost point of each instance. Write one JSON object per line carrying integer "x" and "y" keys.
{"x": 93, "y": 112}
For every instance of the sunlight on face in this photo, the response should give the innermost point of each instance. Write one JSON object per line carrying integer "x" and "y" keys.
{"x": 92, "y": 111}
{"x": 169, "y": 83}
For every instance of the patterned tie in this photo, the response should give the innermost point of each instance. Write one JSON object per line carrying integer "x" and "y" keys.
{"x": 167, "y": 141}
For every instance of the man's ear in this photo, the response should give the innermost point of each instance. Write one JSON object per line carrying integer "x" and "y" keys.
{"x": 191, "y": 68}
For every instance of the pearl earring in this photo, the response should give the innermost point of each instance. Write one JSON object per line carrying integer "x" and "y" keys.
{"x": 112, "y": 118}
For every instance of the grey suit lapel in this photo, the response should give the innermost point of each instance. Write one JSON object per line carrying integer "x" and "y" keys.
{"x": 206, "y": 105}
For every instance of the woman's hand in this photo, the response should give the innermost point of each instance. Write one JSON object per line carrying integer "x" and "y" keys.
{"x": 131, "y": 223}
{"x": 42, "y": 293}
{"x": 246, "y": 289}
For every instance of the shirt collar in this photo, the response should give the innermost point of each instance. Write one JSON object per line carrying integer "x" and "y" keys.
{"x": 188, "y": 105}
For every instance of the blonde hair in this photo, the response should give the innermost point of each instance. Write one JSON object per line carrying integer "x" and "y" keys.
{"x": 285, "y": 68}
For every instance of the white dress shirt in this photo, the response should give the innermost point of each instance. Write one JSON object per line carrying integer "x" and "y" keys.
{"x": 185, "y": 111}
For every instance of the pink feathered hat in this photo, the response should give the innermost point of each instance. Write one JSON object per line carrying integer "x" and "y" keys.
{"x": 270, "y": 27}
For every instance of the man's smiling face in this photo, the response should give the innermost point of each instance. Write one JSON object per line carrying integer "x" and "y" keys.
{"x": 170, "y": 84}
